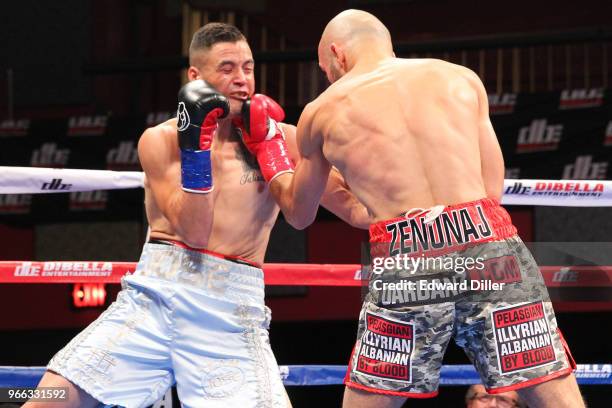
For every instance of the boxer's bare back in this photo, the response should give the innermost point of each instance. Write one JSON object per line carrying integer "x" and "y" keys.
{"x": 407, "y": 133}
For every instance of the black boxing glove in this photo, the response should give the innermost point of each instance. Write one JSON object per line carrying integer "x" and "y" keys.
{"x": 200, "y": 106}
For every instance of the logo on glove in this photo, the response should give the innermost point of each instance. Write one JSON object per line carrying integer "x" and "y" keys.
{"x": 183, "y": 117}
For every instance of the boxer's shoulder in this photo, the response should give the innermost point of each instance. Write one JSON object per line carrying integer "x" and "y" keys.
{"x": 436, "y": 77}
{"x": 167, "y": 128}
{"x": 452, "y": 71}
{"x": 159, "y": 133}
{"x": 157, "y": 139}
{"x": 321, "y": 103}
{"x": 428, "y": 66}
{"x": 311, "y": 113}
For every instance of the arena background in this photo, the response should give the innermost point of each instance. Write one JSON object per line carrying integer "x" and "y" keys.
{"x": 80, "y": 80}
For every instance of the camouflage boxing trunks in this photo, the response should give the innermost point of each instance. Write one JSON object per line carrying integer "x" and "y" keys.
{"x": 458, "y": 271}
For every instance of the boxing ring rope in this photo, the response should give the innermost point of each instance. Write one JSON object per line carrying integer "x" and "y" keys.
{"x": 567, "y": 193}
{"x": 32, "y": 180}
{"x": 274, "y": 274}
{"x": 316, "y": 375}
{"x": 25, "y": 180}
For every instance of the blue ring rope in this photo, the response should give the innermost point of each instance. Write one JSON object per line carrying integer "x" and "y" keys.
{"x": 308, "y": 375}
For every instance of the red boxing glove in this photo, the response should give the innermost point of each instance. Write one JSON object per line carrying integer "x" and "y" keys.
{"x": 275, "y": 111}
{"x": 263, "y": 136}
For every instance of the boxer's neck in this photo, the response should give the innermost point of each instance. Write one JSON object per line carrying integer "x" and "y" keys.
{"x": 365, "y": 58}
{"x": 225, "y": 132}
{"x": 367, "y": 64}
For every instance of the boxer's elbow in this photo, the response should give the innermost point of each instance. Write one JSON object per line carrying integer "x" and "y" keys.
{"x": 360, "y": 217}
{"x": 297, "y": 223}
{"x": 298, "y": 212}
{"x": 300, "y": 222}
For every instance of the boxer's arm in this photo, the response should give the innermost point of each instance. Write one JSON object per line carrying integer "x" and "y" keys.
{"x": 190, "y": 215}
{"x": 337, "y": 196}
{"x": 491, "y": 158}
{"x": 339, "y": 199}
{"x": 299, "y": 194}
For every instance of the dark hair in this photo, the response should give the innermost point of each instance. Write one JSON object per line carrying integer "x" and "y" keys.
{"x": 213, "y": 33}
{"x": 471, "y": 393}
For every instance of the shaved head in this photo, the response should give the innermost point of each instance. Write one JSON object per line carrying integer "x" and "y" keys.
{"x": 350, "y": 32}
{"x": 354, "y": 25}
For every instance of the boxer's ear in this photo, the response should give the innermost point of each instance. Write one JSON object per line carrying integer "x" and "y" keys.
{"x": 193, "y": 73}
{"x": 338, "y": 53}
{"x": 339, "y": 56}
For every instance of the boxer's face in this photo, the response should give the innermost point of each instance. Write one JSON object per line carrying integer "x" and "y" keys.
{"x": 229, "y": 67}
{"x": 483, "y": 400}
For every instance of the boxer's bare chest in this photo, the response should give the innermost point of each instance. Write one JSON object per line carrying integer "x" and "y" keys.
{"x": 239, "y": 185}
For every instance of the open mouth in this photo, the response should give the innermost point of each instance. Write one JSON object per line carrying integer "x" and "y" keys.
{"x": 241, "y": 96}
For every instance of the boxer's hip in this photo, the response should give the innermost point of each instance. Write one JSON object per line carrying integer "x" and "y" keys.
{"x": 212, "y": 275}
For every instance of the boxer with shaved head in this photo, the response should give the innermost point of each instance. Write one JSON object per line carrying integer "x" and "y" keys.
{"x": 413, "y": 140}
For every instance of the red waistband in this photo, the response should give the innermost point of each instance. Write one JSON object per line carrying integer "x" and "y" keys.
{"x": 454, "y": 228}
{"x": 181, "y": 244}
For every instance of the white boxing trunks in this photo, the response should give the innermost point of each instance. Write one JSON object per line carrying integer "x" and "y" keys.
{"x": 187, "y": 317}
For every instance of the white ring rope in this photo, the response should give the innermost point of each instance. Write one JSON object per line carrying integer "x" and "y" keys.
{"x": 33, "y": 180}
